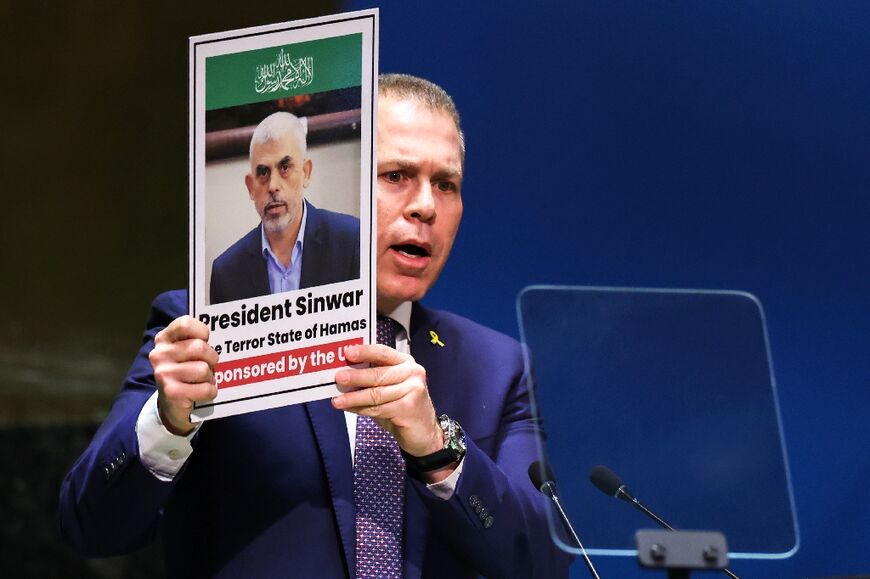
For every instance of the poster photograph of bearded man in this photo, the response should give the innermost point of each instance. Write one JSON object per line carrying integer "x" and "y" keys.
{"x": 282, "y": 195}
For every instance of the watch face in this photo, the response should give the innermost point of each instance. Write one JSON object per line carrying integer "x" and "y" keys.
{"x": 453, "y": 451}
{"x": 454, "y": 436}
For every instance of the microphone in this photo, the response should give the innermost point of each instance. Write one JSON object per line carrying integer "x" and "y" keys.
{"x": 610, "y": 484}
{"x": 544, "y": 480}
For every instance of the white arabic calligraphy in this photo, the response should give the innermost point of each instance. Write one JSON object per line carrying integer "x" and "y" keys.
{"x": 284, "y": 74}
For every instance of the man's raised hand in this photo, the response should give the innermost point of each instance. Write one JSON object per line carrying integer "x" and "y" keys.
{"x": 393, "y": 391}
{"x": 183, "y": 363}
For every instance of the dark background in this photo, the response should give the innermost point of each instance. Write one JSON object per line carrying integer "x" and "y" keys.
{"x": 93, "y": 149}
{"x": 717, "y": 144}
{"x": 713, "y": 144}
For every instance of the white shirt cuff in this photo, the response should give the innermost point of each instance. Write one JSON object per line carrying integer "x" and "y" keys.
{"x": 160, "y": 451}
{"x": 444, "y": 489}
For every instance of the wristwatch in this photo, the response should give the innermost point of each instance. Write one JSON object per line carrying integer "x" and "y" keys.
{"x": 453, "y": 451}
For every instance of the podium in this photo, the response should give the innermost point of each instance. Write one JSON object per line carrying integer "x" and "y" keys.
{"x": 673, "y": 390}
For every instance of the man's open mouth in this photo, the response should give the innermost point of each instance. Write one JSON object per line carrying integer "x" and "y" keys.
{"x": 411, "y": 250}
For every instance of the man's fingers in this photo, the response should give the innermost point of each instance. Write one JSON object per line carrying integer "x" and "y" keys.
{"x": 191, "y": 372}
{"x": 388, "y": 367}
{"x": 195, "y": 350}
{"x": 394, "y": 393}
{"x": 202, "y": 391}
{"x": 183, "y": 363}
{"x": 369, "y": 398}
{"x": 183, "y": 328}
{"x": 183, "y": 351}
{"x": 391, "y": 415}
{"x": 376, "y": 354}
{"x": 180, "y": 382}
{"x": 371, "y": 377}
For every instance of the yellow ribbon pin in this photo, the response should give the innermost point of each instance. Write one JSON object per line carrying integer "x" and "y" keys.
{"x": 435, "y": 338}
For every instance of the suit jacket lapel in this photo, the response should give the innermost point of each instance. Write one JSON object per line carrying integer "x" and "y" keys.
{"x": 428, "y": 353}
{"x": 257, "y": 280}
{"x": 416, "y": 514}
{"x": 416, "y": 531}
{"x": 313, "y": 272}
{"x": 330, "y": 431}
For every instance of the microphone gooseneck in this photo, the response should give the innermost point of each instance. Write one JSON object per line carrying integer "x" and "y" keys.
{"x": 544, "y": 480}
{"x": 611, "y": 484}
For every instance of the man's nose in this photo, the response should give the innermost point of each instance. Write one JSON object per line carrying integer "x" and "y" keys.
{"x": 274, "y": 182}
{"x": 422, "y": 202}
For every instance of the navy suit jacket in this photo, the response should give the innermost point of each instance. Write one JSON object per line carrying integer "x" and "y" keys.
{"x": 271, "y": 493}
{"x": 331, "y": 254}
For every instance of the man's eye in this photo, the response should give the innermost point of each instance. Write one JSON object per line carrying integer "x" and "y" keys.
{"x": 393, "y": 176}
{"x": 262, "y": 171}
{"x": 284, "y": 166}
{"x": 446, "y": 186}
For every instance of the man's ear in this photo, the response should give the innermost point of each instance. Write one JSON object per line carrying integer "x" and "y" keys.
{"x": 306, "y": 171}
{"x": 249, "y": 183}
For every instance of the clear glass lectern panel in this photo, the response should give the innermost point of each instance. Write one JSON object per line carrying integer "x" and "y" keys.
{"x": 674, "y": 392}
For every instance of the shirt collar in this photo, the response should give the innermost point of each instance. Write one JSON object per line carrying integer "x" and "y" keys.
{"x": 402, "y": 315}
{"x": 297, "y": 245}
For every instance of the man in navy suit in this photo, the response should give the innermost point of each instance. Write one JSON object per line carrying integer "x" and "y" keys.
{"x": 276, "y": 493}
{"x": 296, "y": 245}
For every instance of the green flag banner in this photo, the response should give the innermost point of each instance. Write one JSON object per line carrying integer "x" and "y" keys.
{"x": 281, "y": 71}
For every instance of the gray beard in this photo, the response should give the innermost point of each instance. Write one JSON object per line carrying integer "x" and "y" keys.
{"x": 279, "y": 224}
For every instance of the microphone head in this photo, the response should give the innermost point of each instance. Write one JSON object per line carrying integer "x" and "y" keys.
{"x": 609, "y": 482}
{"x": 540, "y": 474}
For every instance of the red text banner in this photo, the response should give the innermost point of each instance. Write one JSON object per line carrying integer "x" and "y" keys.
{"x": 282, "y": 364}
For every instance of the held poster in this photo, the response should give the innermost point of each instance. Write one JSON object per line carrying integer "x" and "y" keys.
{"x": 282, "y": 205}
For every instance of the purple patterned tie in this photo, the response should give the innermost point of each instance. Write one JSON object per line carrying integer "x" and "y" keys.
{"x": 378, "y": 490}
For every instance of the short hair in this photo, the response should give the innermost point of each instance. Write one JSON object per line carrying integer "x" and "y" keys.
{"x": 275, "y": 126}
{"x": 426, "y": 92}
